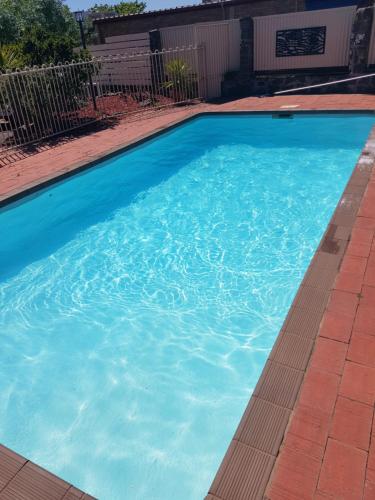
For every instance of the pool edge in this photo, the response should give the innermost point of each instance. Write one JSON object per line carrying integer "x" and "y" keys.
{"x": 19, "y": 477}
{"x": 246, "y": 470}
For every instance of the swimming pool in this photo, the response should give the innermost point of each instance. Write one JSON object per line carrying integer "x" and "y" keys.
{"x": 140, "y": 299}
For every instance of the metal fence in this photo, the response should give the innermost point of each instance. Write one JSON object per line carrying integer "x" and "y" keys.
{"x": 39, "y": 103}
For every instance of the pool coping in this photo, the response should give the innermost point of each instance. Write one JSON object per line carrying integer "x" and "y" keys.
{"x": 249, "y": 461}
{"x": 22, "y": 479}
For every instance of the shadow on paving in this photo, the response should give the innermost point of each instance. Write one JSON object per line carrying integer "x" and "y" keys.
{"x": 21, "y": 153}
{"x": 12, "y": 156}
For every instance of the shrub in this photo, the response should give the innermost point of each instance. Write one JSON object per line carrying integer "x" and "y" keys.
{"x": 181, "y": 82}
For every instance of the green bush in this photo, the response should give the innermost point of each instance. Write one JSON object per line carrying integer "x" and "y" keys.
{"x": 181, "y": 82}
{"x": 10, "y": 58}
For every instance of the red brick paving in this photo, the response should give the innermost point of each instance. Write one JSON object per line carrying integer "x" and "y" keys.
{"x": 336, "y": 326}
{"x": 329, "y": 449}
{"x": 342, "y": 474}
{"x": 329, "y": 355}
{"x": 351, "y": 423}
{"x": 354, "y": 264}
{"x": 344, "y": 302}
{"x": 342, "y": 408}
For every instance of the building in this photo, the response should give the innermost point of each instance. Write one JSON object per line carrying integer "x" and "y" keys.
{"x": 178, "y": 16}
{"x": 208, "y": 11}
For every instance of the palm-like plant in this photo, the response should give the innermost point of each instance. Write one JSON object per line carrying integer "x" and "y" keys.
{"x": 180, "y": 80}
{"x": 10, "y": 58}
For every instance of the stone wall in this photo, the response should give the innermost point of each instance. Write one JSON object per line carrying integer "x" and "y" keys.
{"x": 265, "y": 85}
{"x": 360, "y": 37}
{"x": 234, "y": 9}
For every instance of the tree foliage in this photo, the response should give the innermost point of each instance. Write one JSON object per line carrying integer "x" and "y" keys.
{"x": 38, "y": 46}
{"x": 8, "y": 27}
{"x": 122, "y": 8}
{"x": 39, "y": 31}
{"x": 17, "y": 17}
{"x": 45, "y": 31}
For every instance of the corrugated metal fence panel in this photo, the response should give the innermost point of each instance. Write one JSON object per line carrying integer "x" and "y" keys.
{"x": 215, "y": 39}
{"x": 338, "y": 23}
{"x": 178, "y": 36}
{"x": 221, "y": 41}
{"x": 126, "y": 72}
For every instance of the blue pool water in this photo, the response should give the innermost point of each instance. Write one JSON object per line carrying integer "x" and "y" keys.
{"x": 140, "y": 299}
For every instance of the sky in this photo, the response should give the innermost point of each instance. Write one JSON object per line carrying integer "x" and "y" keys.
{"x": 151, "y": 4}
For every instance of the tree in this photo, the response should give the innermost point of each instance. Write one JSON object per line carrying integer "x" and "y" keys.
{"x": 8, "y": 27}
{"x": 44, "y": 102}
{"x": 17, "y": 17}
{"x": 43, "y": 47}
{"x": 41, "y": 31}
{"x": 122, "y": 8}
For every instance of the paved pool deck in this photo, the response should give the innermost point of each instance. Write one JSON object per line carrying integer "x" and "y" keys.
{"x": 308, "y": 432}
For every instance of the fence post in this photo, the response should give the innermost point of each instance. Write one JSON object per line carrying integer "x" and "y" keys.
{"x": 360, "y": 37}
{"x": 247, "y": 46}
{"x": 157, "y": 63}
{"x": 243, "y": 81}
{"x": 201, "y": 65}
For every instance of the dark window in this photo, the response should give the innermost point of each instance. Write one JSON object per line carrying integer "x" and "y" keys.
{"x": 301, "y": 42}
